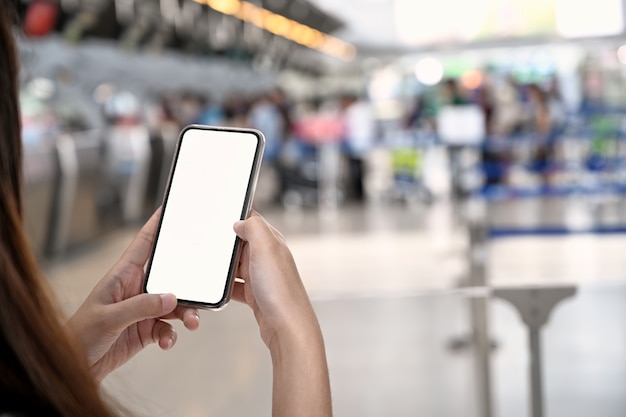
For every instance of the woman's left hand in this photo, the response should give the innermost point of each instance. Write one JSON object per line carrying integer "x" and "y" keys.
{"x": 117, "y": 320}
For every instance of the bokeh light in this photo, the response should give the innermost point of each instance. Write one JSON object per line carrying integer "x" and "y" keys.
{"x": 621, "y": 54}
{"x": 472, "y": 79}
{"x": 429, "y": 71}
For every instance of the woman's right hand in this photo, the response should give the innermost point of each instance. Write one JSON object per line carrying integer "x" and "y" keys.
{"x": 272, "y": 286}
{"x": 289, "y": 327}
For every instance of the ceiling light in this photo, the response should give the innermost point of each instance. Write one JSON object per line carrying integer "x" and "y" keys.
{"x": 429, "y": 71}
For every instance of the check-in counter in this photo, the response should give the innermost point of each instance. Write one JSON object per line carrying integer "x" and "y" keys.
{"x": 156, "y": 163}
{"x": 163, "y": 147}
{"x": 101, "y": 185}
{"x": 127, "y": 160}
{"x": 169, "y": 136}
{"x": 76, "y": 210}
{"x": 41, "y": 171}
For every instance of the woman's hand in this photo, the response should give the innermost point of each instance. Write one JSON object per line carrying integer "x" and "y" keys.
{"x": 117, "y": 320}
{"x": 289, "y": 327}
{"x": 272, "y": 286}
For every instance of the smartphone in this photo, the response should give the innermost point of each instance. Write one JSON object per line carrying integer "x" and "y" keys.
{"x": 211, "y": 186}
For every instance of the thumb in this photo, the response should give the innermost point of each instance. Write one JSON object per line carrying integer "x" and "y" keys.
{"x": 143, "y": 306}
{"x": 240, "y": 229}
{"x": 253, "y": 228}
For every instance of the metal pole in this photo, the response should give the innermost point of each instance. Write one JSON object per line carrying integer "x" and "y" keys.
{"x": 482, "y": 351}
{"x": 328, "y": 166}
{"x": 535, "y": 304}
{"x": 536, "y": 388}
{"x": 479, "y": 308}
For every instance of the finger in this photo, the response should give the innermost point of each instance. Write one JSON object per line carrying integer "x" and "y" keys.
{"x": 243, "y": 269}
{"x": 240, "y": 229}
{"x": 238, "y": 293}
{"x": 141, "y": 307}
{"x": 274, "y": 231}
{"x": 164, "y": 334}
{"x": 139, "y": 249}
{"x": 255, "y": 228}
{"x": 191, "y": 319}
{"x": 240, "y": 225}
{"x": 189, "y": 316}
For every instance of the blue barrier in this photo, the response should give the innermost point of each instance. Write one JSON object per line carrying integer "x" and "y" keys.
{"x": 499, "y": 193}
{"x": 503, "y": 232}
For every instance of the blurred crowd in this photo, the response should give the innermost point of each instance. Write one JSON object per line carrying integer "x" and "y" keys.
{"x": 509, "y": 107}
{"x": 488, "y": 114}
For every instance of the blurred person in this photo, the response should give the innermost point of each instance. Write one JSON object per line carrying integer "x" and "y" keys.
{"x": 454, "y": 102}
{"x": 126, "y": 161}
{"x": 416, "y": 113}
{"x": 123, "y": 109}
{"x": 52, "y": 368}
{"x": 452, "y": 93}
{"x": 290, "y": 146}
{"x": 167, "y": 120}
{"x": 211, "y": 114}
{"x": 508, "y": 109}
{"x": 421, "y": 112}
{"x": 285, "y": 107}
{"x": 541, "y": 124}
{"x": 494, "y": 154}
{"x": 302, "y": 160}
{"x": 538, "y": 115}
{"x": 593, "y": 84}
{"x": 484, "y": 98}
{"x": 556, "y": 105}
{"x": 236, "y": 110}
{"x": 40, "y": 123}
{"x": 264, "y": 115}
{"x": 360, "y": 133}
{"x": 187, "y": 107}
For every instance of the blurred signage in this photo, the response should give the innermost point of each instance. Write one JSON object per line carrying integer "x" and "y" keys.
{"x": 451, "y": 21}
{"x": 283, "y": 26}
{"x": 239, "y": 29}
{"x": 461, "y": 125}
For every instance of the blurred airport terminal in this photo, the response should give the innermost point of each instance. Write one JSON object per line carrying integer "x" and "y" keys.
{"x": 450, "y": 177}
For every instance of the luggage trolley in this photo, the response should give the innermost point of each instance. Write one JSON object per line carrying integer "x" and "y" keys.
{"x": 407, "y": 154}
{"x": 310, "y": 167}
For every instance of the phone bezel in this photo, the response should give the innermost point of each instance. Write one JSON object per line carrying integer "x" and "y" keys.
{"x": 247, "y": 206}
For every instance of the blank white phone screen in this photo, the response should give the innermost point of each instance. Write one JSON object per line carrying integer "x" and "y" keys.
{"x": 207, "y": 194}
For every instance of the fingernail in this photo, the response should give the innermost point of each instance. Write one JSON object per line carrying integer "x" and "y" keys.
{"x": 169, "y": 302}
{"x": 169, "y": 343}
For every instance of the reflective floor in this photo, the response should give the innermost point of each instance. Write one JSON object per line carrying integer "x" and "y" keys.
{"x": 387, "y": 284}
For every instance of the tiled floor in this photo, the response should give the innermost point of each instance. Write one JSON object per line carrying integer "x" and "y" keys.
{"x": 385, "y": 284}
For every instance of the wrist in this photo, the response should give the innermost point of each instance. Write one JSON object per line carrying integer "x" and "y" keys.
{"x": 287, "y": 322}
{"x": 300, "y": 372}
{"x": 76, "y": 331}
{"x": 296, "y": 337}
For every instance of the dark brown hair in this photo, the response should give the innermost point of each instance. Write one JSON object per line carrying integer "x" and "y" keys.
{"x": 42, "y": 370}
